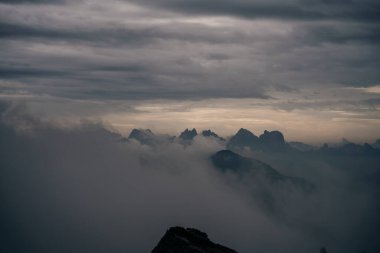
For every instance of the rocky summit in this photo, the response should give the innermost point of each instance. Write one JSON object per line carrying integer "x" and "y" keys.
{"x": 188, "y": 135}
{"x": 209, "y": 133}
{"x": 243, "y": 138}
{"x": 144, "y": 136}
{"x": 188, "y": 240}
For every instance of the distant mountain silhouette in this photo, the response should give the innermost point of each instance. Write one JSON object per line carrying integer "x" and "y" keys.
{"x": 345, "y": 141}
{"x": 272, "y": 141}
{"x": 269, "y": 141}
{"x": 144, "y": 136}
{"x": 226, "y": 160}
{"x": 243, "y": 138}
{"x": 209, "y": 133}
{"x": 188, "y": 240}
{"x": 349, "y": 149}
{"x": 147, "y": 137}
{"x": 188, "y": 135}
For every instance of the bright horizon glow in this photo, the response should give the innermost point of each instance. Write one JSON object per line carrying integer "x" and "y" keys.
{"x": 226, "y": 116}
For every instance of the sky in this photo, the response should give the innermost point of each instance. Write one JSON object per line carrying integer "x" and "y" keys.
{"x": 306, "y": 67}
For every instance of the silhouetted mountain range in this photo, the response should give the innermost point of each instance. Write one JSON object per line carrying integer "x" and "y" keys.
{"x": 350, "y": 149}
{"x": 269, "y": 141}
{"x": 188, "y": 240}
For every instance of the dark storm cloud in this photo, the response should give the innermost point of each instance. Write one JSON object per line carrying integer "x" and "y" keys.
{"x": 364, "y": 11}
{"x": 118, "y": 50}
{"x": 124, "y": 34}
{"x": 31, "y": 1}
{"x": 16, "y": 73}
{"x": 110, "y": 35}
{"x": 339, "y": 34}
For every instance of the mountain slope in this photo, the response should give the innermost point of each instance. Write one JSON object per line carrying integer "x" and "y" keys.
{"x": 243, "y": 138}
{"x": 188, "y": 240}
{"x": 226, "y": 160}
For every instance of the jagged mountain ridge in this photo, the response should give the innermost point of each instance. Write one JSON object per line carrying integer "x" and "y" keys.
{"x": 144, "y": 136}
{"x": 209, "y": 133}
{"x": 269, "y": 141}
{"x": 188, "y": 135}
{"x": 243, "y": 138}
{"x": 349, "y": 149}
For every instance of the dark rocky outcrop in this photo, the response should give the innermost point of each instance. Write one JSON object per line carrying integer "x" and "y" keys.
{"x": 243, "y": 138}
{"x": 144, "y": 136}
{"x": 188, "y": 135}
{"x": 209, "y": 133}
{"x": 147, "y": 137}
{"x": 272, "y": 141}
{"x": 269, "y": 141}
{"x": 188, "y": 240}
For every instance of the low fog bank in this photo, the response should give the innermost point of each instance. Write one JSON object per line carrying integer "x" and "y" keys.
{"x": 84, "y": 189}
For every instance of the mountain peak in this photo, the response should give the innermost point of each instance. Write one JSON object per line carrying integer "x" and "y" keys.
{"x": 345, "y": 141}
{"x": 209, "y": 133}
{"x": 188, "y": 134}
{"x": 138, "y": 131}
{"x": 243, "y": 131}
{"x": 273, "y": 141}
{"x": 243, "y": 138}
{"x": 274, "y": 137}
{"x": 190, "y": 240}
{"x": 226, "y": 159}
{"x": 144, "y": 136}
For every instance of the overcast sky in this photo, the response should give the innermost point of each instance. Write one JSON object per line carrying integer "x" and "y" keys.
{"x": 309, "y": 68}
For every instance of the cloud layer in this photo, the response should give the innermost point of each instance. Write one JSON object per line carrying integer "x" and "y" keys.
{"x": 187, "y": 49}
{"x": 81, "y": 189}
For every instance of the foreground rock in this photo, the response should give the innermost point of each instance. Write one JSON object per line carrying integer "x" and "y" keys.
{"x": 189, "y": 240}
